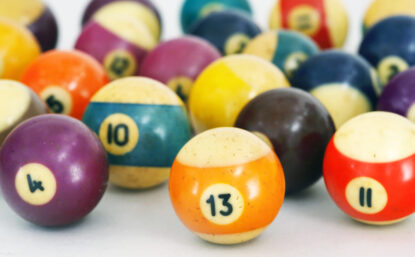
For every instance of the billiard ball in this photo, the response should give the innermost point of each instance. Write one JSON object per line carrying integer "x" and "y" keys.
{"x": 399, "y": 95}
{"x": 230, "y": 31}
{"x": 225, "y": 86}
{"x": 325, "y": 21}
{"x": 65, "y": 80}
{"x": 17, "y": 103}
{"x": 369, "y": 168}
{"x": 178, "y": 62}
{"x": 53, "y": 170}
{"x": 286, "y": 49}
{"x": 346, "y": 84}
{"x": 226, "y": 185}
{"x": 18, "y": 49}
{"x": 36, "y": 16}
{"x": 143, "y": 10}
{"x": 299, "y": 129}
{"x": 194, "y": 10}
{"x": 125, "y": 45}
{"x": 142, "y": 125}
{"x": 388, "y": 49}
{"x": 381, "y": 9}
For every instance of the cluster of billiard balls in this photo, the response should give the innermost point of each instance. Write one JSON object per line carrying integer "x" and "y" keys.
{"x": 128, "y": 110}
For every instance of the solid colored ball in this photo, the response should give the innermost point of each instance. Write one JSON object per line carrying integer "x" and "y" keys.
{"x": 127, "y": 39}
{"x": 399, "y": 95}
{"x": 178, "y": 62}
{"x": 65, "y": 80}
{"x": 194, "y": 10}
{"x": 17, "y": 103}
{"x": 325, "y": 21}
{"x": 53, "y": 170}
{"x": 369, "y": 168}
{"x": 226, "y": 186}
{"x": 382, "y": 9}
{"x": 286, "y": 49}
{"x": 389, "y": 49}
{"x": 225, "y": 86}
{"x": 229, "y": 31}
{"x": 298, "y": 127}
{"x": 346, "y": 84}
{"x": 36, "y": 16}
{"x": 18, "y": 47}
{"x": 143, "y": 10}
{"x": 142, "y": 125}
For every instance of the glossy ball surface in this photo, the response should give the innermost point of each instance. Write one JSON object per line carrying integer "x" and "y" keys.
{"x": 325, "y": 21}
{"x": 53, "y": 170}
{"x": 143, "y": 10}
{"x": 369, "y": 168}
{"x": 226, "y": 185}
{"x": 142, "y": 125}
{"x": 225, "y": 86}
{"x": 66, "y": 88}
{"x": 346, "y": 84}
{"x": 298, "y": 127}
{"x": 36, "y": 16}
{"x": 286, "y": 49}
{"x": 229, "y": 31}
{"x": 382, "y": 9}
{"x": 19, "y": 49}
{"x": 17, "y": 104}
{"x": 399, "y": 95}
{"x": 125, "y": 44}
{"x": 194, "y": 10}
{"x": 389, "y": 49}
{"x": 178, "y": 62}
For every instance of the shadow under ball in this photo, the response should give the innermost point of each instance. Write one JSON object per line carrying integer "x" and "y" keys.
{"x": 298, "y": 127}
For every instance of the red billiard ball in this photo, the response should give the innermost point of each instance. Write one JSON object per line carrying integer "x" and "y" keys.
{"x": 369, "y": 168}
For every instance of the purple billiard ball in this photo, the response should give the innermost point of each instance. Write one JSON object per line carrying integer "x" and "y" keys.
{"x": 399, "y": 95}
{"x": 53, "y": 170}
{"x": 178, "y": 62}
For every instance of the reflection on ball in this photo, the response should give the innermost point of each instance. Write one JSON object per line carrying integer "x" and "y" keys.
{"x": 369, "y": 168}
{"x": 142, "y": 125}
{"x": 226, "y": 185}
{"x": 223, "y": 89}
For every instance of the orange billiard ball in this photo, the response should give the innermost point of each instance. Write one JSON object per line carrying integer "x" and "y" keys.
{"x": 65, "y": 80}
{"x": 369, "y": 168}
{"x": 227, "y": 185}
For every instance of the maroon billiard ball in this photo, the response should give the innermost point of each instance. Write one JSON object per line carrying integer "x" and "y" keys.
{"x": 53, "y": 170}
{"x": 178, "y": 62}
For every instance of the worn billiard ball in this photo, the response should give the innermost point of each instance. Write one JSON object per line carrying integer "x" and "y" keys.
{"x": 18, "y": 48}
{"x": 298, "y": 127}
{"x": 389, "y": 49}
{"x": 66, "y": 88}
{"x": 381, "y": 9}
{"x": 399, "y": 95}
{"x": 178, "y": 62}
{"x": 53, "y": 170}
{"x": 346, "y": 84}
{"x": 125, "y": 44}
{"x": 225, "y": 86}
{"x": 17, "y": 103}
{"x": 194, "y": 10}
{"x": 143, "y": 10}
{"x": 369, "y": 168}
{"x": 286, "y": 49}
{"x": 230, "y": 31}
{"x": 226, "y": 185}
{"x": 36, "y": 16}
{"x": 325, "y": 21}
{"x": 142, "y": 125}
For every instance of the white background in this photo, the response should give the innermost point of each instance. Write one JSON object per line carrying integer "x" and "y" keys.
{"x": 144, "y": 224}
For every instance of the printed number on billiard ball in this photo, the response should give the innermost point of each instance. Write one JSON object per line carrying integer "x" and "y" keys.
{"x": 305, "y": 19}
{"x": 120, "y": 63}
{"x": 58, "y": 100}
{"x": 366, "y": 195}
